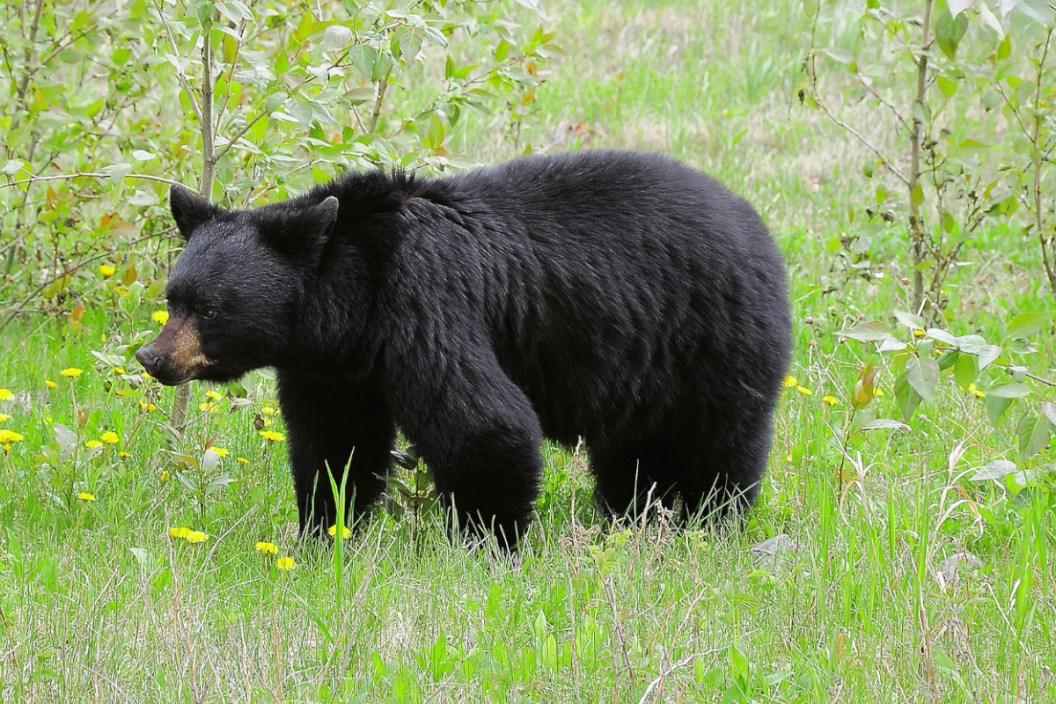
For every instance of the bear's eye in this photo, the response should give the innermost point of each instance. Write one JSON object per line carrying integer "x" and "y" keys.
{"x": 209, "y": 313}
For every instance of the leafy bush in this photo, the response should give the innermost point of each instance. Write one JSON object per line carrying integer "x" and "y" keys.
{"x": 110, "y": 102}
{"x": 946, "y": 175}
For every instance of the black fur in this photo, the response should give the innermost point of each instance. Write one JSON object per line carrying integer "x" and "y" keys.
{"x": 618, "y": 297}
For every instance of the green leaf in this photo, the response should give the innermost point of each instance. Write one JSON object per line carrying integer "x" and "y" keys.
{"x": 336, "y": 37}
{"x": 923, "y": 375}
{"x": 382, "y": 66}
{"x": 975, "y": 344}
{"x": 117, "y": 172}
{"x": 996, "y": 407}
{"x": 884, "y": 424}
{"x": 1004, "y": 49}
{"x": 994, "y": 470}
{"x": 1027, "y": 324}
{"x": 911, "y": 321}
{"x": 942, "y": 336}
{"x": 1034, "y": 432}
{"x": 1049, "y": 409}
{"x": 949, "y": 31}
{"x": 947, "y": 359}
{"x": 363, "y": 57}
{"x": 434, "y": 135}
{"x": 947, "y": 85}
{"x": 739, "y": 662}
{"x": 502, "y": 50}
{"x": 966, "y": 370}
{"x": 1000, "y": 398}
{"x": 1008, "y": 391}
{"x": 869, "y": 330}
{"x": 210, "y": 461}
{"x": 304, "y": 27}
{"x": 906, "y": 397}
{"x": 917, "y": 195}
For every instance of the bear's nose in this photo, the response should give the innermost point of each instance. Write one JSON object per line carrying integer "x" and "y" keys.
{"x": 148, "y": 358}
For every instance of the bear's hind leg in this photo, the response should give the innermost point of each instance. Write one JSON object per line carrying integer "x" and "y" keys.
{"x": 333, "y": 424}
{"x": 724, "y": 477}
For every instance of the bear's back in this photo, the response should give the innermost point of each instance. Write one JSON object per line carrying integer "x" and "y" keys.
{"x": 635, "y": 278}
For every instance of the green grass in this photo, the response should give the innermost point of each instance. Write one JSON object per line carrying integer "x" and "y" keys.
{"x": 97, "y": 603}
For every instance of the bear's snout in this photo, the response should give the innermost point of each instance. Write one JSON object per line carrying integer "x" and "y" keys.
{"x": 148, "y": 357}
{"x": 175, "y": 355}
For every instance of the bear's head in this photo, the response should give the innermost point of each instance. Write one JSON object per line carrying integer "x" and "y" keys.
{"x": 237, "y": 291}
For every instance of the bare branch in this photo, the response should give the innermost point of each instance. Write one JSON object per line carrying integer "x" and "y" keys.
{"x": 658, "y": 681}
{"x": 184, "y": 83}
{"x": 86, "y": 174}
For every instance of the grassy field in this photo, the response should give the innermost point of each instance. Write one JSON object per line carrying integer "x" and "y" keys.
{"x": 906, "y": 579}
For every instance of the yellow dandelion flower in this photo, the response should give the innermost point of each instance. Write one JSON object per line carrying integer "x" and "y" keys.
{"x": 220, "y": 451}
{"x": 160, "y": 316}
{"x": 6, "y": 395}
{"x": 269, "y": 410}
{"x": 830, "y": 400}
{"x": 272, "y": 436}
{"x": 918, "y": 333}
{"x": 207, "y": 407}
{"x": 92, "y": 444}
{"x": 146, "y": 375}
{"x": 179, "y": 532}
{"x": 72, "y": 372}
{"x": 196, "y": 536}
{"x": 804, "y": 390}
{"x": 50, "y": 384}
{"x": 9, "y": 436}
{"x": 3, "y": 417}
{"x": 107, "y": 270}
{"x": 976, "y": 391}
{"x": 285, "y": 563}
{"x": 265, "y": 548}
{"x": 790, "y": 381}
{"x": 878, "y": 392}
{"x": 241, "y": 460}
{"x": 147, "y": 406}
{"x": 86, "y": 496}
{"x": 124, "y": 454}
{"x": 346, "y": 532}
{"x": 165, "y": 476}
{"x": 119, "y": 370}
{"x": 213, "y": 394}
{"x": 110, "y": 437}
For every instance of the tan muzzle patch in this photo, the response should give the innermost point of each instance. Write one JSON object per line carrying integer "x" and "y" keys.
{"x": 178, "y": 352}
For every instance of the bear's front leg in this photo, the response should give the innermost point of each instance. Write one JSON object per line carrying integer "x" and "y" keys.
{"x": 330, "y": 422}
{"x": 480, "y": 436}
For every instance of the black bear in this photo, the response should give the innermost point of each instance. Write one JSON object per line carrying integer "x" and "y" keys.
{"x": 617, "y": 297}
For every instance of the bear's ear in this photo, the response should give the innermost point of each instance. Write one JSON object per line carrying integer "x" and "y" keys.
{"x": 190, "y": 210}
{"x": 304, "y": 233}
